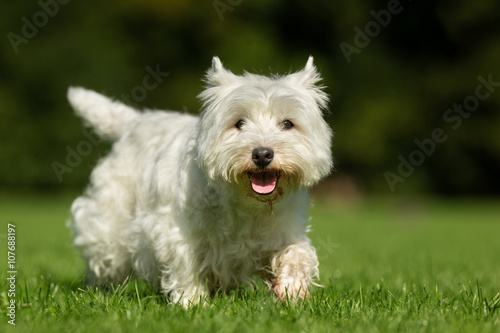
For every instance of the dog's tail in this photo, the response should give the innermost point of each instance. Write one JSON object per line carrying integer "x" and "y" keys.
{"x": 109, "y": 118}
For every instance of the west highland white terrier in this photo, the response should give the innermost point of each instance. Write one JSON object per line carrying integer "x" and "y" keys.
{"x": 203, "y": 204}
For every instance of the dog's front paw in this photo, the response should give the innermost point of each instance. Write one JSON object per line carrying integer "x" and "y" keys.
{"x": 289, "y": 289}
{"x": 294, "y": 268}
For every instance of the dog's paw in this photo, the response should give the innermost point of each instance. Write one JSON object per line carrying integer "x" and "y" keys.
{"x": 287, "y": 289}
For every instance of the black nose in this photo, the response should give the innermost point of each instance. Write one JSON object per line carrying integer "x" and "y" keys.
{"x": 262, "y": 157}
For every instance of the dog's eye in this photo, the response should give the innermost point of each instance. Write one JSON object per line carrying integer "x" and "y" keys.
{"x": 239, "y": 124}
{"x": 286, "y": 125}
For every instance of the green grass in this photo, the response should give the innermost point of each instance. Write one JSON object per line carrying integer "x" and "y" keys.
{"x": 387, "y": 266}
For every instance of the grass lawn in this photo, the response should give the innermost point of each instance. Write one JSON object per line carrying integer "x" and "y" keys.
{"x": 387, "y": 266}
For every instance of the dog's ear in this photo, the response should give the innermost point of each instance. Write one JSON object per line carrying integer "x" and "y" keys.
{"x": 309, "y": 78}
{"x": 217, "y": 64}
{"x": 310, "y": 64}
{"x": 217, "y": 75}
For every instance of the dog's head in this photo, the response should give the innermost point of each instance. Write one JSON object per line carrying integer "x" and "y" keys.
{"x": 267, "y": 133}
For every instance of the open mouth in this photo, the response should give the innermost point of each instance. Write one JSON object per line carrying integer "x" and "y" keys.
{"x": 264, "y": 182}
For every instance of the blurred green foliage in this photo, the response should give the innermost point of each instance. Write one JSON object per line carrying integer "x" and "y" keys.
{"x": 394, "y": 90}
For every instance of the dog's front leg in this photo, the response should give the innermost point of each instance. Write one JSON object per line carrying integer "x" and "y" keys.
{"x": 294, "y": 269}
{"x": 182, "y": 283}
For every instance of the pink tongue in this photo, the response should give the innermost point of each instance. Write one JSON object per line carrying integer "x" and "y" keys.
{"x": 263, "y": 182}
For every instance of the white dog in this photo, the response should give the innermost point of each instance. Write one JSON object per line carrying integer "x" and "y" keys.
{"x": 201, "y": 204}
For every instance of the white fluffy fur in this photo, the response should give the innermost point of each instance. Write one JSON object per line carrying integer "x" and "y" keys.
{"x": 173, "y": 203}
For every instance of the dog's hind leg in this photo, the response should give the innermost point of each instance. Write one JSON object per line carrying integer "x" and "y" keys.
{"x": 99, "y": 221}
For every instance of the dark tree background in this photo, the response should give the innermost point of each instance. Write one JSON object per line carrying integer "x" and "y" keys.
{"x": 396, "y": 72}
